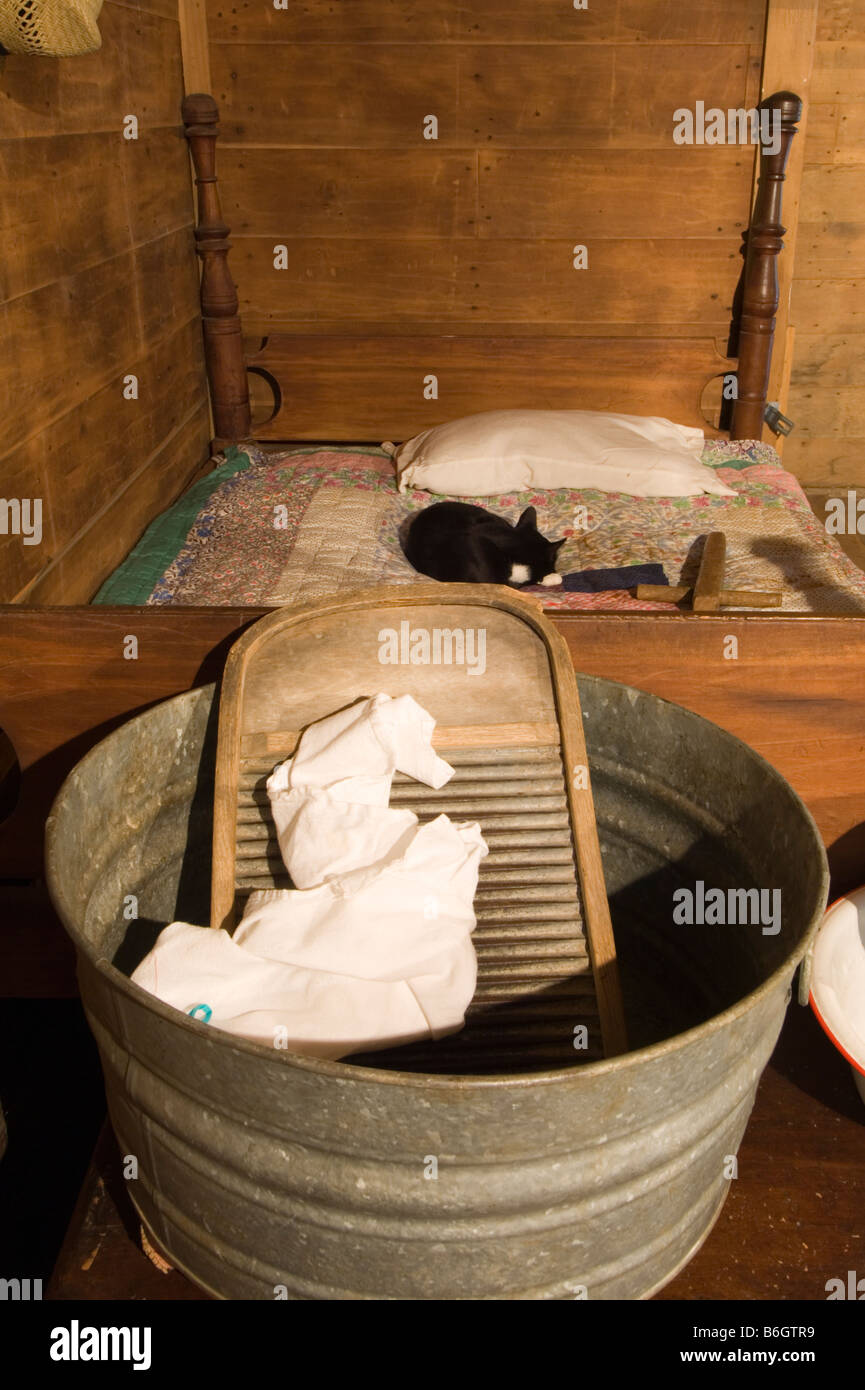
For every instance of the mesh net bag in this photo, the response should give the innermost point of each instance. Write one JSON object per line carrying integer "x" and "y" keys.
{"x": 54, "y": 28}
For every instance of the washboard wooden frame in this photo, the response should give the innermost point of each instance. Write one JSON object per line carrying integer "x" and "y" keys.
{"x": 547, "y": 960}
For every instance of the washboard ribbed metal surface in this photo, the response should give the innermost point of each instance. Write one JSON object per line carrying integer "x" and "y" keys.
{"x": 504, "y": 697}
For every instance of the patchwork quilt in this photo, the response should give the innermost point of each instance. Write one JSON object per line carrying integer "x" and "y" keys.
{"x": 292, "y": 527}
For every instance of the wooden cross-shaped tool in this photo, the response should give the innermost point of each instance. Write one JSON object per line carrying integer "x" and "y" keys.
{"x": 708, "y": 596}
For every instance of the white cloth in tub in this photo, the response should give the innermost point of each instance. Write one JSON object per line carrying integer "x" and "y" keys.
{"x": 375, "y": 949}
{"x": 330, "y": 801}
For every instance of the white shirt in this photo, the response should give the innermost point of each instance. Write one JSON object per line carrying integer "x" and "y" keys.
{"x": 373, "y": 947}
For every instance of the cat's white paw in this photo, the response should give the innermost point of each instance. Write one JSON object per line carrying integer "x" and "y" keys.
{"x": 551, "y": 580}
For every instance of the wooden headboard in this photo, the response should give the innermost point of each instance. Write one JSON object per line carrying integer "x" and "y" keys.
{"x": 348, "y": 381}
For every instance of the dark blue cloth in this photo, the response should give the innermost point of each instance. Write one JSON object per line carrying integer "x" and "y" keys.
{"x": 627, "y": 577}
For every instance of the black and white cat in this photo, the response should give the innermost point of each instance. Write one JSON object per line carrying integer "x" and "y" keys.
{"x": 458, "y": 542}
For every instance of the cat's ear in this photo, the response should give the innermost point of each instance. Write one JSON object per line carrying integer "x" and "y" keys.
{"x": 528, "y": 518}
{"x": 557, "y": 545}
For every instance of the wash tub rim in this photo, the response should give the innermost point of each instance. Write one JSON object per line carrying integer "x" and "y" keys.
{"x": 353, "y": 1072}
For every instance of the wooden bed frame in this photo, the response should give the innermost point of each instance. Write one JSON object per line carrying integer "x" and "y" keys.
{"x": 364, "y": 389}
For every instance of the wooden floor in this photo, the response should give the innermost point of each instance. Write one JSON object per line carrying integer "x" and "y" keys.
{"x": 794, "y": 1218}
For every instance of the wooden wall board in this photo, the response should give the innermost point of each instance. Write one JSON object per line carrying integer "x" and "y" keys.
{"x": 53, "y": 367}
{"x": 657, "y": 21}
{"x": 380, "y": 103}
{"x": 98, "y": 422}
{"x": 497, "y": 21}
{"x": 836, "y": 305}
{"x": 823, "y": 131}
{"x": 152, "y": 69}
{"x": 725, "y": 75}
{"x": 156, "y": 178}
{"x": 848, "y": 146}
{"x": 829, "y": 359}
{"x": 839, "y": 67}
{"x": 333, "y": 281}
{"x": 130, "y": 301}
{"x": 373, "y": 388}
{"x": 828, "y": 292}
{"x": 828, "y": 251}
{"x": 841, "y": 411}
{"x": 166, "y": 8}
{"x": 350, "y": 193}
{"x": 533, "y": 194}
{"x": 833, "y": 193}
{"x": 526, "y": 194}
{"x": 99, "y": 281}
{"x": 164, "y": 283}
{"x": 510, "y": 95}
{"x": 45, "y": 238}
{"x": 64, "y": 684}
{"x": 832, "y": 461}
{"x": 362, "y": 21}
{"x": 120, "y": 188}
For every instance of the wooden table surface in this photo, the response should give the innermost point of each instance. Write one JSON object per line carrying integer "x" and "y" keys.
{"x": 794, "y": 1219}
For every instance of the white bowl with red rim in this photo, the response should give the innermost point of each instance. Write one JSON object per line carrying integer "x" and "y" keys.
{"x": 837, "y": 983}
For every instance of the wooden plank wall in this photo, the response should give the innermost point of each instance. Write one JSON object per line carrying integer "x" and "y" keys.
{"x": 98, "y": 281}
{"x": 827, "y": 389}
{"x": 554, "y": 130}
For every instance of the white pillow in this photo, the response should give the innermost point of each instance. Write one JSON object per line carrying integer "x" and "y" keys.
{"x": 515, "y": 450}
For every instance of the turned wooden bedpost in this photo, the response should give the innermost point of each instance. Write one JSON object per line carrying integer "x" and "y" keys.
{"x": 763, "y": 241}
{"x": 223, "y": 340}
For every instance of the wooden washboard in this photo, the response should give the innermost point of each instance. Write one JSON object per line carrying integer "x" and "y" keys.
{"x": 513, "y": 732}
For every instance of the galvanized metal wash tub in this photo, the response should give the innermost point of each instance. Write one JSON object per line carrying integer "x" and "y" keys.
{"x": 262, "y": 1174}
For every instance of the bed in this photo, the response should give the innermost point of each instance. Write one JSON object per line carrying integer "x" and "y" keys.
{"x": 288, "y": 526}
{"x": 278, "y": 525}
